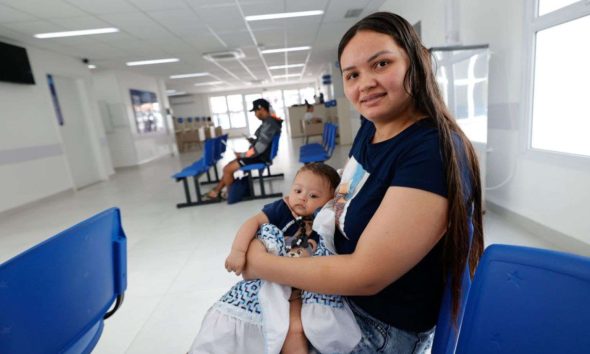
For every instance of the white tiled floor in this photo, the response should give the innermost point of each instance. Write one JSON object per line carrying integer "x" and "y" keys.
{"x": 175, "y": 256}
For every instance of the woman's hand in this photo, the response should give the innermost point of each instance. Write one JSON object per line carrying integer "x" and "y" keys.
{"x": 256, "y": 251}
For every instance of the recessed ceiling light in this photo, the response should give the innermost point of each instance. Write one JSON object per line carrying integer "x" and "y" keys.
{"x": 76, "y": 33}
{"x": 286, "y": 66}
{"x": 283, "y": 50}
{"x": 209, "y": 83}
{"x": 91, "y": 66}
{"x": 182, "y": 76}
{"x": 285, "y": 76}
{"x": 155, "y": 61}
{"x": 283, "y": 15}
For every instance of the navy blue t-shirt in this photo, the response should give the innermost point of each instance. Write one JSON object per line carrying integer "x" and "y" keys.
{"x": 279, "y": 214}
{"x": 410, "y": 159}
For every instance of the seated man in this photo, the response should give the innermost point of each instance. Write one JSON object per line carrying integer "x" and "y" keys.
{"x": 259, "y": 150}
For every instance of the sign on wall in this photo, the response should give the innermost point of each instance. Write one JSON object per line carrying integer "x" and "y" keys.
{"x": 148, "y": 116}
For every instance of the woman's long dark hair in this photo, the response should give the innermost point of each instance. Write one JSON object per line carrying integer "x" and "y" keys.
{"x": 421, "y": 85}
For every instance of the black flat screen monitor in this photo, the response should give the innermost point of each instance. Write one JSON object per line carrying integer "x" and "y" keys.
{"x": 14, "y": 65}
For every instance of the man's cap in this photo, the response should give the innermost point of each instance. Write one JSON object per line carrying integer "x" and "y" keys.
{"x": 260, "y": 103}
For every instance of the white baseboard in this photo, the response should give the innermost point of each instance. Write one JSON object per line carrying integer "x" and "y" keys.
{"x": 558, "y": 239}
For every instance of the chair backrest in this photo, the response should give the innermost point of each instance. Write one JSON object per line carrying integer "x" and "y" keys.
{"x": 223, "y": 143}
{"x": 219, "y": 146}
{"x": 331, "y": 139}
{"x": 445, "y": 336}
{"x": 326, "y": 133}
{"x": 527, "y": 300}
{"x": 209, "y": 151}
{"x": 54, "y": 296}
{"x": 274, "y": 149}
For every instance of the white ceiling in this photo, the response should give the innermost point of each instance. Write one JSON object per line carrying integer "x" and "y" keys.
{"x": 185, "y": 29}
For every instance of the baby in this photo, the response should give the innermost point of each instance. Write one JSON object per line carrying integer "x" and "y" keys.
{"x": 234, "y": 323}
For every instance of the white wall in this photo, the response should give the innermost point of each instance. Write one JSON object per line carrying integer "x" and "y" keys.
{"x": 32, "y": 161}
{"x": 190, "y": 106}
{"x": 549, "y": 191}
{"x": 127, "y": 146}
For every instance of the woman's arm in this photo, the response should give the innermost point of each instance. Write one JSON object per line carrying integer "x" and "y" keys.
{"x": 406, "y": 226}
{"x": 236, "y": 260}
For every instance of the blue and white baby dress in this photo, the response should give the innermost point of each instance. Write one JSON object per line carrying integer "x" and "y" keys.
{"x": 253, "y": 316}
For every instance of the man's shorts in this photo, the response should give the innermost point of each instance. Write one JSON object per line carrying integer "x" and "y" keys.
{"x": 243, "y": 161}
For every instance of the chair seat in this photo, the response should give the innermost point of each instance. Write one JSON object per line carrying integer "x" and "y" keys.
{"x": 195, "y": 169}
{"x": 254, "y": 166}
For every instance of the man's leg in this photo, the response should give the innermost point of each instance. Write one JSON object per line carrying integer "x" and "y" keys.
{"x": 226, "y": 179}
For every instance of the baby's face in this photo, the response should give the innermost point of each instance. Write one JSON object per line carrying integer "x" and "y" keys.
{"x": 308, "y": 192}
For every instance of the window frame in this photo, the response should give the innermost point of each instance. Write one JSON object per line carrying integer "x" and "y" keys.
{"x": 533, "y": 24}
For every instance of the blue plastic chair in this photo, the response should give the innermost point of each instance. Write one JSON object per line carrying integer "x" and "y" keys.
{"x": 55, "y": 296}
{"x": 194, "y": 171}
{"x": 528, "y": 300}
{"x": 445, "y": 335}
{"x": 320, "y": 153}
{"x": 260, "y": 167}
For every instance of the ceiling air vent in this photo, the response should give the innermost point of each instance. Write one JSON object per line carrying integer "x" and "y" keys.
{"x": 352, "y": 13}
{"x": 224, "y": 55}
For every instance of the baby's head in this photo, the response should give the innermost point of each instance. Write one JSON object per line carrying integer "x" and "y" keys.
{"x": 313, "y": 187}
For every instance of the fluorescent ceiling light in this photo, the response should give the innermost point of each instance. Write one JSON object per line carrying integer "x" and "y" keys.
{"x": 284, "y": 76}
{"x": 91, "y": 66}
{"x": 209, "y": 83}
{"x": 182, "y": 76}
{"x": 286, "y": 66}
{"x": 77, "y": 33}
{"x": 283, "y": 50}
{"x": 156, "y": 61}
{"x": 283, "y": 15}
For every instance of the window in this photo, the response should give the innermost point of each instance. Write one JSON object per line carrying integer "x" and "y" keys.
{"x": 560, "y": 111}
{"x": 276, "y": 101}
{"x": 547, "y": 6}
{"x": 462, "y": 75}
{"x": 228, "y": 111}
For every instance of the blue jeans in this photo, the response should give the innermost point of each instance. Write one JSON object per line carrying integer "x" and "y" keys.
{"x": 379, "y": 337}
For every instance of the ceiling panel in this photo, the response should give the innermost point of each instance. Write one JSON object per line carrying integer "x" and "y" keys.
{"x": 102, "y": 6}
{"x": 80, "y": 23}
{"x": 137, "y": 24}
{"x": 31, "y": 28}
{"x": 150, "y": 5}
{"x": 236, "y": 39}
{"x": 177, "y": 18}
{"x": 46, "y": 8}
{"x": 251, "y": 8}
{"x": 205, "y": 43}
{"x": 306, "y": 5}
{"x": 9, "y": 14}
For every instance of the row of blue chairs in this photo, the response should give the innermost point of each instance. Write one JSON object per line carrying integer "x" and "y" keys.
{"x": 213, "y": 151}
{"x": 55, "y": 297}
{"x": 320, "y": 152}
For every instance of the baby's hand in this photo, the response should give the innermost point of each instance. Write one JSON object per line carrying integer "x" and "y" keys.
{"x": 236, "y": 261}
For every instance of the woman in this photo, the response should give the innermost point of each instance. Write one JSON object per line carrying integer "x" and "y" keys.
{"x": 407, "y": 196}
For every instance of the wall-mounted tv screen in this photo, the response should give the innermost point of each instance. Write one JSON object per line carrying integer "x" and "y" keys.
{"x": 14, "y": 65}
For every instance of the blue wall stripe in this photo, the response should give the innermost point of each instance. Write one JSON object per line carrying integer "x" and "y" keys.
{"x": 29, "y": 153}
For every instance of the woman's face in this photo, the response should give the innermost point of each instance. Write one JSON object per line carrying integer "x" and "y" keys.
{"x": 373, "y": 71}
